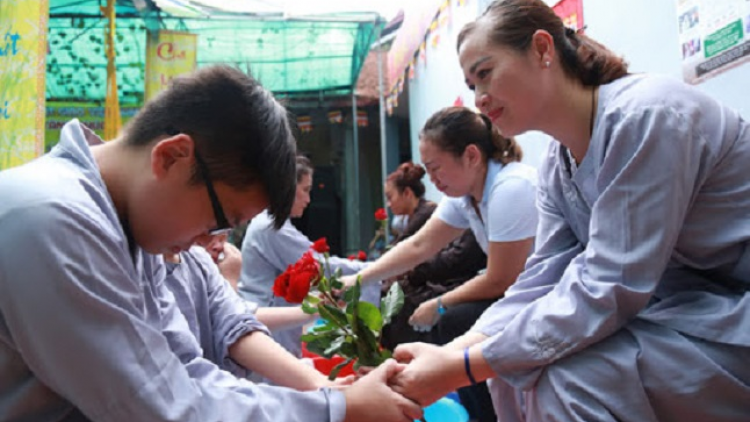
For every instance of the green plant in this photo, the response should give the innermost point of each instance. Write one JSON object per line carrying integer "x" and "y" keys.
{"x": 351, "y": 327}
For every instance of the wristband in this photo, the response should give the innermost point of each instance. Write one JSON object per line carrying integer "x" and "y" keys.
{"x": 467, "y": 366}
{"x": 441, "y": 308}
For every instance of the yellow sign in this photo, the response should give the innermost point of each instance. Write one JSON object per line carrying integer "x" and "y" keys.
{"x": 23, "y": 50}
{"x": 168, "y": 54}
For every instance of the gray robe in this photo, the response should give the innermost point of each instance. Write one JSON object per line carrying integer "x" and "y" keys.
{"x": 635, "y": 304}
{"x": 88, "y": 330}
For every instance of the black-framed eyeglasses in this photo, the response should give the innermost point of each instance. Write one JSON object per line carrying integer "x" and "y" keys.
{"x": 222, "y": 224}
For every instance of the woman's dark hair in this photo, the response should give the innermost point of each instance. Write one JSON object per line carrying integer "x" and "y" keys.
{"x": 241, "y": 132}
{"x": 513, "y": 23}
{"x": 453, "y": 129}
{"x": 408, "y": 175}
{"x": 304, "y": 167}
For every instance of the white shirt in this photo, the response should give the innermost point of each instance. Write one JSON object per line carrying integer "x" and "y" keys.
{"x": 507, "y": 210}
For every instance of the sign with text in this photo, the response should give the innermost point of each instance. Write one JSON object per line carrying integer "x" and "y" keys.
{"x": 23, "y": 50}
{"x": 90, "y": 114}
{"x": 713, "y": 36}
{"x": 168, "y": 54}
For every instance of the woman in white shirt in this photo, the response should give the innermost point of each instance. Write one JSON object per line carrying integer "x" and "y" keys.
{"x": 487, "y": 189}
{"x": 267, "y": 252}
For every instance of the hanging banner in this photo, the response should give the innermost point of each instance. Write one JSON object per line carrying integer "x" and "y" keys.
{"x": 23, "y": 51}
{"x": 713, "y": 36}
{"x": 90, "y": 114}
{"x": 418, "y": 16}
{"x": 362, "y": 120}
{"x": 335, "y": 117}
{"x": 168, "y": 54}
{"x": 571, "y": 13}
{"x": 305, "y": 124}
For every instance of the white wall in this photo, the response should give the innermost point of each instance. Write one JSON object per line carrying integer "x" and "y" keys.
{"x": 440, "y": 81}
{"x": 645, "y": 32}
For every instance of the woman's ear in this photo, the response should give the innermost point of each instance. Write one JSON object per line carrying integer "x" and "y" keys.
{"x": 172, "y": 154}
{"x": 473, "y": 155}
{"x": 542, "y": 48}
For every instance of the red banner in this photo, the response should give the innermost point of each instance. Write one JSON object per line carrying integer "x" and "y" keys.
{"x": 571, "y": 12}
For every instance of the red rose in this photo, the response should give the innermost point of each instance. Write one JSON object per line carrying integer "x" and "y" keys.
{"x": 352, "y": 257}
{"x": 307, "y": 263}
{"x": 281, "y": 284}
{"x": 299, "y": 286}
{"x": 381, "y": 215}
{"x": 321, "y": 246}
{"x": 362, "y": 256}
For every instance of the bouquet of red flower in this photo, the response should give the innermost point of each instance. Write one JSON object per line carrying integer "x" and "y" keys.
{"x": 351, "y": 328}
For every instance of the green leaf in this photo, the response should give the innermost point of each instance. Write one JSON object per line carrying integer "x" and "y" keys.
{"x": 310, "y": 304}
{"x": 336, "y": 283}
{"x": 333, "y": 314}
{"x": 352, "y": 294}
{"x": 323, "y": 286}
{"x": 370, "y": 315}
{"x": 309, "y": 337}
{"x": 336, "y": 369}
{"x": 320, "y": 345}
{"x": 308, "y": 308}
{"x": 347, "y": 349}
{"x": 392, "y": 303}
{"x": 335, "y": 346}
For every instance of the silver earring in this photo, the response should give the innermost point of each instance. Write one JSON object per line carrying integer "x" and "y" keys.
{"x": 547, "y": 64}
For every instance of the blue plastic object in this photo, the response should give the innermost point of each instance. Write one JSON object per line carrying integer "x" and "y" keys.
{"x": 445, "y": 410}
{"x": 454, "y": 396}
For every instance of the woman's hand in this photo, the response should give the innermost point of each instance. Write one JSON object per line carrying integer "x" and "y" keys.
{"x": 425, "y": 316}
{"x": 431, "y": 373}
{"x": 348, "y": 280}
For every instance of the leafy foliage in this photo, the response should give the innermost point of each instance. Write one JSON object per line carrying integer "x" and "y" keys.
{"x": 351, "y": 328}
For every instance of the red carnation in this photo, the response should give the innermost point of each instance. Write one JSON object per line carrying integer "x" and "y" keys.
{"x": 321, "y": 246}
{"x": 362, "y": 256}
{"x": 381, "y": 215}
{"x": 352, "y": 257}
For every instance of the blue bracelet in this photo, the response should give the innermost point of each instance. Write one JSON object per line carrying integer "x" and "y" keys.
{"x": 467, "y": 366}
{"x": 441, "y": 308}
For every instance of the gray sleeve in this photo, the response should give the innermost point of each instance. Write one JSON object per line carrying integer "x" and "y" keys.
{"x": 231, "y": 316}
{"x": 78, "y": 308}
{"x": 646, "y": 184}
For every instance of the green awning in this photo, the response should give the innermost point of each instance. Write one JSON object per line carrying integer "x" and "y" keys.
{"x": 290, "y": 56}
